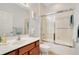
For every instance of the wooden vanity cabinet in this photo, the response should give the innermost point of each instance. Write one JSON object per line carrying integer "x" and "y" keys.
{"x": 30, "y": 49}
{"x": 26, "y": 48}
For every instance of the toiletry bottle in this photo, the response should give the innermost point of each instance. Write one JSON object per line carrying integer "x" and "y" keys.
{"x": 4, "y": 38}
{"x": 0, "y": 39}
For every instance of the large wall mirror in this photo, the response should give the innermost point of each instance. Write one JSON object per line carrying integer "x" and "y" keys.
{"x": 13, "y": 20}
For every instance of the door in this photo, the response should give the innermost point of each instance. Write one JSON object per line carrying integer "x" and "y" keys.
{"x": 50, "y": 27}
{"x": 47, "y": 28}
{"x": 44, "y": 28}
{"x": 64, "y": 36}
{"x": 63, "y": 20}
{"x": 64, "y": 29}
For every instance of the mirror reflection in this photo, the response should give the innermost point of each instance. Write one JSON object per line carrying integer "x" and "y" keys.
{"x": 13, "y": 19}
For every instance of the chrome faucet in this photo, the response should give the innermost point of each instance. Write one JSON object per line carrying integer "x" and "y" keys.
{"x": 18, "y": 37}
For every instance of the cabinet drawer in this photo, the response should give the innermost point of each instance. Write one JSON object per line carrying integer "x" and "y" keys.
{"x": 37, "y": 43}
{"x": 26, "y": 48}
{"x": 35, "y": 51}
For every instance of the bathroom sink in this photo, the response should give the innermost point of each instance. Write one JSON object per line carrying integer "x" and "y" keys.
{"x": 26, "y": 38}
{"x": 17, "y": 42}
{"x": 22, "y": 39}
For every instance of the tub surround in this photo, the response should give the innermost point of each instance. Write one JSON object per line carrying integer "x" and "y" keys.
{"x": 27, "y": 45}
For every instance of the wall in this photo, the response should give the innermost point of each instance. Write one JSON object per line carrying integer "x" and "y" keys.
{"x": 43, "y": 9}
{"x": 34, "y": 22}
{"x": 76, "y": 21}
{"x": 60, "y": 6}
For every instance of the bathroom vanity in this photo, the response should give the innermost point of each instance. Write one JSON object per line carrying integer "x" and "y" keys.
{"x": 30, "y": 46}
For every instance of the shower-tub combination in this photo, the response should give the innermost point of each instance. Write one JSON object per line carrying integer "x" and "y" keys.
{"x": 58, "y": 28}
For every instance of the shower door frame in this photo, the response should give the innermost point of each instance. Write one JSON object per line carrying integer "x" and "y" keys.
{"x": 54, "y": 26}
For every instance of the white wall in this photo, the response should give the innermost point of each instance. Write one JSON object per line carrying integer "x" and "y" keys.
{"x": 43, "y": 9}
{"x": 60, "y": 6}
{"x": 76, "y": 20}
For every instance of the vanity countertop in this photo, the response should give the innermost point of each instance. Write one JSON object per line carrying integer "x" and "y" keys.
{"x": 5, "y": 48}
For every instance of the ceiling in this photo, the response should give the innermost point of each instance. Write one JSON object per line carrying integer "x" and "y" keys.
{"x": 47, "y": 5}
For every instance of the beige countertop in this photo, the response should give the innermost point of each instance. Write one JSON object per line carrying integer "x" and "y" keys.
{"x": 5, "y": 48}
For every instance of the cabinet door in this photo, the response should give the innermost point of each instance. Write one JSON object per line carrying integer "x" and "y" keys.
{"x": 35, "y": 51}
{"x": 15, "y": 52}
{"x": 26, "y": 48}
{"x": 64, "y": 36}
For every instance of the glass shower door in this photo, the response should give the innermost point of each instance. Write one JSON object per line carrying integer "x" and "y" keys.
{"x": 50, "y": 27}
{"x": 64, "y": 29}
{"x": 44, "y": 28}
{"x": 59, "y": 24}
{"x": 47, "y": 28}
